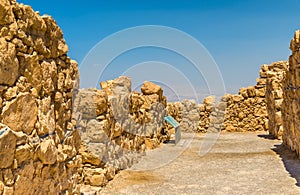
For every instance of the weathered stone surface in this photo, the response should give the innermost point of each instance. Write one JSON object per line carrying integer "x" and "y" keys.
{"x": 22, "y": 138}
{"x": 121, "y": 85}
{"x": 31, "y": 70}
{"x": 37, "y": 80}
{"x": 9, "y": 65}
{"x": 274, "y": 89}
{"x": 101, "y": 102}
{"x": 47, "y": 152}
{"x": 90, "y": 158}
{"x": 10, "y": 93}
{"x": 23, "y": 153}
{"x": 8, "y": 190}
{"x": 1, "y": 187}
{"x": 107, "y": 86}
{"x": 95, "y": 177}
{"x": 96, "y": 131}
{"x": 24, "y": 181}
{"x": 21, "y": 113}
{"x": 49, "y": 71}
{"x": 6, "y": 14}
{"x": 90, "y": 103}
{"x": 150, "y": 88}
{"x": 46, "y": 116}
{"x": 291, "y": 95}
{"x": 7, "y": 145}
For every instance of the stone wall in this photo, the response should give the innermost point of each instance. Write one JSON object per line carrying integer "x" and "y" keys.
{"x": 192, "y": 117}
{"x": 245, "y": 111}
{"x": 116, "y": 126}
{"x": 274, "y": 97}
{"x": 42, "y": 123}
{"x": 291, "y": 95}
{"x": 36, "y": 86}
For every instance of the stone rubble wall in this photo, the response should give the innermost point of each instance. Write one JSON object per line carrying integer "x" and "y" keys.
{"x": 55, "y": 138}
{"x": 117, "y": 125}
{"x": 245, "y": 111}
{"x": 274, "y": 97}
{"x": 191, "y": 116}
{"x": 37, "y": 79}
{"x": 291, "y": 98}
{"x": 46, "y": 148}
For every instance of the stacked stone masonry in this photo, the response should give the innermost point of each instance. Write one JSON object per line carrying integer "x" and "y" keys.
{"x": 245, "y": 111}
{"x": 291, "y": 98}
{"x": 44, "y": 115}
{"x": 117, "y": 125}
{"x": 192, "y": 117}
{"x": 37, "y": 79}
{"x": 274, "y": 96}
{"x": 57, "y": 139}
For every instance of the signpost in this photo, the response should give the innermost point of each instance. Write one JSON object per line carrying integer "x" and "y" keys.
{"x": 174, "y": 124}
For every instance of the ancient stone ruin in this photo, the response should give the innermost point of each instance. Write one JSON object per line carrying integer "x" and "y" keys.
{"x": 291, "y": 98}
{"x": 274, "y": 97}
{"x": 58, "y": 139}
{"x": 37, "y": 80}
{"x": 117, "y": 125}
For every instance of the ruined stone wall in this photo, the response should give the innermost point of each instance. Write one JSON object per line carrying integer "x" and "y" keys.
{"x": 36, "y": 84}
{"x": 116, "y": 127}
{"x": 274, "y": 97}
{"x": 191, "y": 116}
{"x": 291, "y": 95}
{"x": 245, "y": 111}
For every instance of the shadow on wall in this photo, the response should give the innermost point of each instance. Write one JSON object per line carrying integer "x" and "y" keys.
{"x": 290, "y": 161}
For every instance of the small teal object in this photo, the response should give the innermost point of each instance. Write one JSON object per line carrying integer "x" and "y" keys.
{"x": 174, "y": 124}
{"x": 171, "y": 121}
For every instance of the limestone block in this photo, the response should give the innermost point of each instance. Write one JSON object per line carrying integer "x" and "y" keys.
{"x": 47, "y": 152}
{"x": 9, "y": 64}
{"x": 21, "y": 113}
{"x": 7, "y": 145}
{"x": 6, "y": 14}
{"x": 150, "y": 88}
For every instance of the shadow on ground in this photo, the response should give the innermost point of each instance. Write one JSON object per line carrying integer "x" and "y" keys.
{"x": 290, "y": 161}
{"x": 266, "y": 136}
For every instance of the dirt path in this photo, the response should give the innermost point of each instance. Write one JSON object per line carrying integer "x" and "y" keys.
{"x": 239, "y": 163}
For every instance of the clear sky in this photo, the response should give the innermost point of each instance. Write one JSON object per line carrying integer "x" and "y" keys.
{"x": 241, "y": 35}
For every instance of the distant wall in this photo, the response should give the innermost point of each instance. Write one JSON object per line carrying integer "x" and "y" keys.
{"x": 245, "y": 111}
{"x": 192, "y": 117}
{"x": 36, "y": 86}
{"x": 291, "y": 98}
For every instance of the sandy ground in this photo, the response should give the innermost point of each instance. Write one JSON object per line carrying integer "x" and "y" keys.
{"x": 239, "y": 163}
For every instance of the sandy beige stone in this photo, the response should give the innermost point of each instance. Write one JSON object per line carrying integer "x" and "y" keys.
{"x": 7, "y": 145}
{"x": 21, "y": 113}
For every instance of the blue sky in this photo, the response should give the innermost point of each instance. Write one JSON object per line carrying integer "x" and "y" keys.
{"x": 241, "y": 35}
